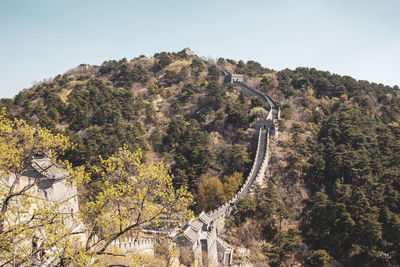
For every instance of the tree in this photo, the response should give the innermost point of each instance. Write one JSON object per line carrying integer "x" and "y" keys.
{"x": 164, "y": 60}
{"x": 186, "y": 257}
{"x": 197, "y": 67}
{"x": 132, "y": 196}
{"x": 284, "y": 245}
{"x": 286, "y": 112}
{"x": 210, "y": 194}
{"x": 193, "y": 153}
{"x": 268, "y": 83}
{"x": 256, "y": 102}
{"x": 231, "y": 183}
{"x": 245, "y": 208}
{"x": 238, "y": 158}
{"x": 237, "y": 115}
{"x": 215, "y": 96}
{"x": 28, "y": 224}
{"x": 213, "y": 73}
{"x": 319, "y": 258}
{"x": 165, "y": 250}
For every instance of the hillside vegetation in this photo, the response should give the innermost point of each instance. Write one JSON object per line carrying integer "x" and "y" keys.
{"x": 333, "y": 198}
{"x": 171, "y": 106}
{"x": 334, "y": 192}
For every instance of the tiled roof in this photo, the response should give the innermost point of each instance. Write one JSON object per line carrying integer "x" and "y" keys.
{"x": 48, "y": 169}
{"x": 205, "y": 218}
{"x": 197, "y": 225}
{"x": 191, "y": 235}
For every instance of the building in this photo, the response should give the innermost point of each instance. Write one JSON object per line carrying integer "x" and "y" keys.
{"x": 200, "y": 236}
{"x": 236, "y": 78}
{"x": 52, "y": 185}
{"x": 188, "y": 52}
{"x": 46, "y": 184}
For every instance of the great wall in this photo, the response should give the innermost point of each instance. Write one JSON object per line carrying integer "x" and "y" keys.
{"x": 202, "y": 233}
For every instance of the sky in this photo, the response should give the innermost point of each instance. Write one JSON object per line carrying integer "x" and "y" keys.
{"x": 43, "y": 38}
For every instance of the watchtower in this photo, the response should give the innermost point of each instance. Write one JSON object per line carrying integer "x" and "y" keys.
{"x": 236, "y": 78}
{"x": 264, "y": 124}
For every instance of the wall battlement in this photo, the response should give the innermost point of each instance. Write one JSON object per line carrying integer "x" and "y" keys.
{"x": 132, "y": 244}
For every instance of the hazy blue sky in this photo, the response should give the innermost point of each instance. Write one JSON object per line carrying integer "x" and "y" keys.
{"x": 40, "y": 39}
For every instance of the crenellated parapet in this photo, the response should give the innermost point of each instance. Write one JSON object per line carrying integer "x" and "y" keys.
{"x": 134, "y": 245}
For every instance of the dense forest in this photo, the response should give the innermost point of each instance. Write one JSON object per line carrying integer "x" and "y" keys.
{"x": 340, "y": 143}
{"x": 334, "y": 192}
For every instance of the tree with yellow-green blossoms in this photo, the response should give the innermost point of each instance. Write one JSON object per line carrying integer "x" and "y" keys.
{"x": 132, "y": 196}
{"x": 28, "y": 225}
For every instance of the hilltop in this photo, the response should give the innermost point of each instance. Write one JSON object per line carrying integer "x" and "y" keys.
{"x": 334, "y": 185}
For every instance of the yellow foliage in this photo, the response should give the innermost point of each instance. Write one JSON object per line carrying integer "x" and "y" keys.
{"x": 308, "y": 111}
{"x": 269, "y": 75}
{"x": 210, "y": 193}
{"x": 202, "y": 75}
{"x": 166, "y": 251}
{"x": 232, "y": 183}
{"x": 19, "y": 143}
{"x": 309, "y": 91}
{"x": 344, "y": 98}
{"x": 151, "y": 60}
{"x": 228, "y": 67}
{"x": 177, "y": 65}
{"x": 309, "y": 99}
{"x": 25, "y": 218}
{"x": 133, "y": 195}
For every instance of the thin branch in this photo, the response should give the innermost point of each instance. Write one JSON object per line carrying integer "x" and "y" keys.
{"x": 113, "y": 254}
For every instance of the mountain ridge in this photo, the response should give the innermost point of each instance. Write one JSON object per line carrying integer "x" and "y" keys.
{"x": 337, "y": 147}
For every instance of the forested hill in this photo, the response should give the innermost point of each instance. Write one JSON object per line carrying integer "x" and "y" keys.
{"x": 334, "y": 191}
